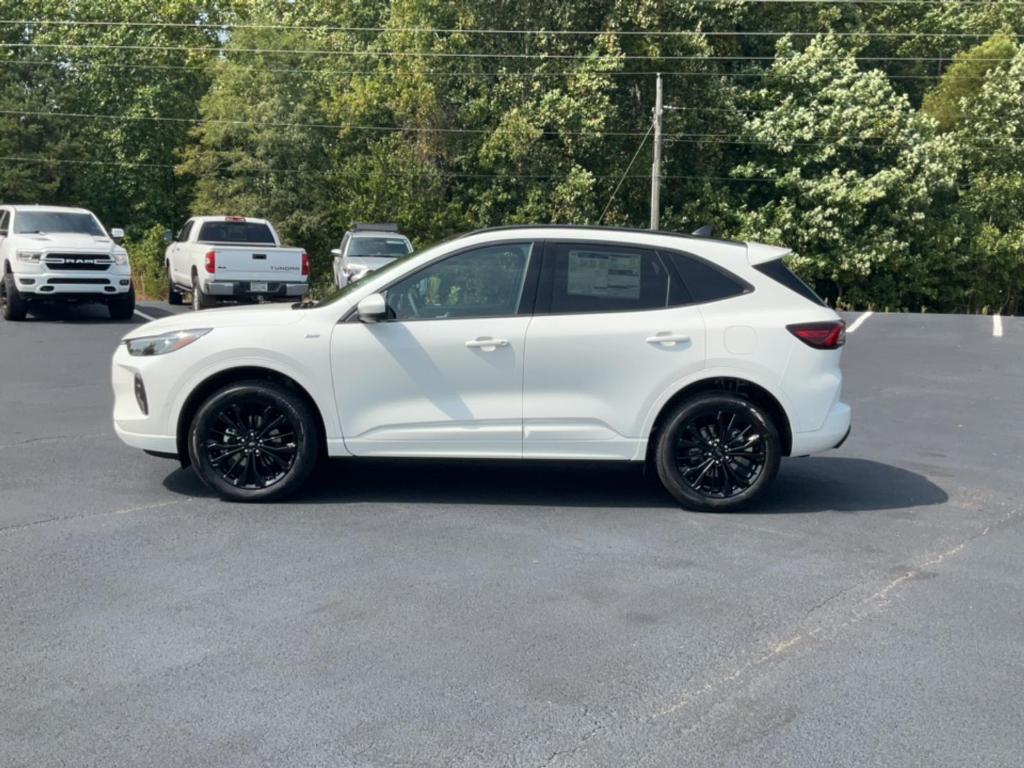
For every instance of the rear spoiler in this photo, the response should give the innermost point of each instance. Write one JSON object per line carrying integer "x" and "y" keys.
{"x": 760, "y": 253}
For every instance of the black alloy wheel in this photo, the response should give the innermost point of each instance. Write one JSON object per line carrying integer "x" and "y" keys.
{"x": 253, "y": 441}
{"x": 718, "y": 452}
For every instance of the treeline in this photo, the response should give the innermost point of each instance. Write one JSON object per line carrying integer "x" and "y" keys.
{"x": 881, "y": 141}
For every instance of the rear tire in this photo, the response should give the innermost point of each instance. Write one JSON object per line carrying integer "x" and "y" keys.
{"x": 254, "y": 441}
{"x": 717, "y": 452}
{"x": 14, "y": 307}
{"x": 122, "y": 306}
{"x": 199, "y": 299}
{"x": 173, "y": 296}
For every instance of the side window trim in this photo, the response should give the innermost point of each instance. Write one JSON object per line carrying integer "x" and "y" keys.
{"x": 527, "y": 299}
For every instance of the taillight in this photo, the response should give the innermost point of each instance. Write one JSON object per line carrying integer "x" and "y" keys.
{"x": 827, "y": 335}
{"x": 211, "y": 261}
{"x": 305, "y": 263}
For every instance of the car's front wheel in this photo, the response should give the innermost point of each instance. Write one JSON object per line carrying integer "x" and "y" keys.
{"x": 12, "y": 305}
{"x": 254, "y": 441}
{"x": 717, "y": 452}
{"x": 122, "y": 306}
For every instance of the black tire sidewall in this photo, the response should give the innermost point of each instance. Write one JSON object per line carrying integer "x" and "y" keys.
{"x": 669, "y": 474}
{"x": 16, "y": 307}
{"x": 307, "y": 436}
{"x": 122, "y": 307}
{"x": 173, "y": 297}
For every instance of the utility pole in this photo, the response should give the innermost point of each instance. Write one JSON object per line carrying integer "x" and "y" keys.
{"x": 656, "y": 166}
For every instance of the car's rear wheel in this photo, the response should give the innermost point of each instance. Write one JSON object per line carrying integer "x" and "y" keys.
{"x": 199, "y": 299}
{"x": 12, "y": 305}
{"x": 254, "y": 441}
{"x": 122, "y": 306}
{"x": 717, "y": 452}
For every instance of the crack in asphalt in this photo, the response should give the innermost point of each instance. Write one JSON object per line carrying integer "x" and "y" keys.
{"x": 124, "y": 511}
{"x": 53, "y": 439}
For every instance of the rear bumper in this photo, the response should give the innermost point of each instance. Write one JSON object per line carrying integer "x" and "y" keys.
{"x": 832, "y": 433}
{"x": 239, "y": 289}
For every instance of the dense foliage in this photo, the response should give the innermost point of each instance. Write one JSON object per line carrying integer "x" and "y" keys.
{"x": 881, "y": 141}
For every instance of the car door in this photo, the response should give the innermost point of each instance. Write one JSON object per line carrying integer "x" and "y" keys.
{"x": 178, "y": 256}
{"x": 613, "y": 331}
{"x": 443, "y": 375}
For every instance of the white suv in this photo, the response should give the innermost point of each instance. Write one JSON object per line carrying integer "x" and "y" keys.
{"x": 707, "y": 358}
{"x": 51, "y": 254}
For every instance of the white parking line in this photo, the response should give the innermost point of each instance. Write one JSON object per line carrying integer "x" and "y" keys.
{"x": 997, "y": 326}
{"x": 859, "y": 322}
{"x": 140, "y": 313}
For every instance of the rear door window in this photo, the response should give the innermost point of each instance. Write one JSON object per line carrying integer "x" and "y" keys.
{"x": 586, "y": 278}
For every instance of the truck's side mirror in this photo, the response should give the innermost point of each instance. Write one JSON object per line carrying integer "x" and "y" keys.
{"x": 168, "y": 237}
{"x": 372, "y": 309}
{"x": 335, "y": 252}
{"x": 117, "y": 235}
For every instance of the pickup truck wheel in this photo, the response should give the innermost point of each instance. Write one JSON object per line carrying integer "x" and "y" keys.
{"x": 199, "y": 299}
{"x": 173, "y": 296}
{"x": 13, "y": 306}
{"x": 122, "y": 306}
{"x": 717, "y": 452}
{"x": 254, "y": 441}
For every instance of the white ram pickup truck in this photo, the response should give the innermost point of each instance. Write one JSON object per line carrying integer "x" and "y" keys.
{"x": 233, "y": 258}
{"x": 50, "y": 254}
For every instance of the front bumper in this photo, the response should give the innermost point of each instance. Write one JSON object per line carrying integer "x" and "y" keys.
{"x": 831, "y": 434}
{"x": 243, "y": 289}
{"x": 70, "y": 285}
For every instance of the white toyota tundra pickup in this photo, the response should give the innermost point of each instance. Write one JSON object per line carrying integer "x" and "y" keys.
{"x": 51, "y": 254}
{"x": 232, "y": 258}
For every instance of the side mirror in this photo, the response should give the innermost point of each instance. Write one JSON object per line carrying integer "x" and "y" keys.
{"x": 117, "y": 235}
{"x": 335, "y": 252}
{"x": 372, "y": 308}
{"x": 168, "y": 237}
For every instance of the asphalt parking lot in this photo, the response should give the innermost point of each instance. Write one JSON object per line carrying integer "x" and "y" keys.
{"x": 405, "y": 614}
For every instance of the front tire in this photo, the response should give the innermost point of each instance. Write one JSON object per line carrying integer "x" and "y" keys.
{"x": 13, "y": 306}
{"x": 254, "y": 441}
{"x": 173, "y": 296}
{"x": 122, "y": 307}
{"x": 717, "y": 452}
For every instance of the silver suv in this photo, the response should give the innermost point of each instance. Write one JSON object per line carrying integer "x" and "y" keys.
{"x": 367, "y": 247}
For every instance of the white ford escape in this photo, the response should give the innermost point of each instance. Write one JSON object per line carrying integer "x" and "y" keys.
{"x": 705, "y": 357}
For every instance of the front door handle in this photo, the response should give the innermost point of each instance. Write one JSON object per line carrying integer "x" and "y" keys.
{"x": 486, "y": 343}
{"x": 668, "y": 339}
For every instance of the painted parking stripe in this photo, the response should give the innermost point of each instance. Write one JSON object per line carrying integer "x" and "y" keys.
{"x": 140, "y": 313}
{"x": 859, "y": 322}
{"x": 997, "y": 326}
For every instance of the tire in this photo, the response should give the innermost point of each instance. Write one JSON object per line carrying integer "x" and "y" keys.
{"x": 254, "y": 441}
{"x": 14, "y": 307}
{"x": 199, "y": 299}
{"x": 173, "y": 295}
{"x": 717, "y": 452}
{"x": 122, "y": 306}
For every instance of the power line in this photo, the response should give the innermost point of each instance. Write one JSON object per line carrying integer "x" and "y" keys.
{"x": 625, "y": 173}
{"x": 679, "y": 137}
{"x": 525, "y": 32}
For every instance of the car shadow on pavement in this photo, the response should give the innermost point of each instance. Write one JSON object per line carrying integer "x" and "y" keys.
{"x": 819, "y": 484}
{"x": 75, "y": 313}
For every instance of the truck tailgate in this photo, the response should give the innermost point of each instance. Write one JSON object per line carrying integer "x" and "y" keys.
{"x": 245, "y": 262}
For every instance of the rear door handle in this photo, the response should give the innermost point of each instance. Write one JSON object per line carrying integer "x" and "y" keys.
{"x": 668, "y": 339}
{"x": 486, "y": 343}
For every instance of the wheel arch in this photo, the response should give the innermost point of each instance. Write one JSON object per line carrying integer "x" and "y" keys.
{"x": 733, "y": 385}
{"x": 241, "y": 373}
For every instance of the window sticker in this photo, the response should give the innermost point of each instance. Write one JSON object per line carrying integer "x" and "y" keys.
{"x": 606, "y": 275}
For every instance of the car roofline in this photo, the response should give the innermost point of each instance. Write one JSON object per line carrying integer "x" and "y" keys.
{"x": 600, "y": 228}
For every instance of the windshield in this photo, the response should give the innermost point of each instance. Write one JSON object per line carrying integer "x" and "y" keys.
{"x": 379, "y": 246}
{"x": 43, "y": 222}
{"x": 236, "y": 232}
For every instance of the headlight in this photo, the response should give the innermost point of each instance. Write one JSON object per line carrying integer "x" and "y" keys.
{"x": 147, "y": 346}
{"x": 29, "y": 256}
{"x": 120, "y": 257}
